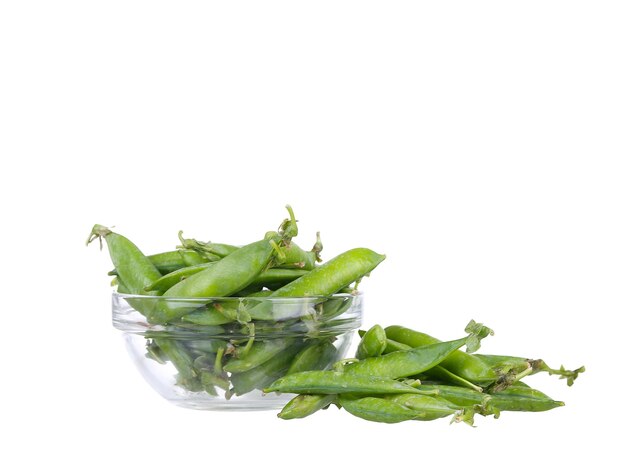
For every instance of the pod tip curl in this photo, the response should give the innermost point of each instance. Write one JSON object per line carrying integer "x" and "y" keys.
{"x": 97, "y": 232}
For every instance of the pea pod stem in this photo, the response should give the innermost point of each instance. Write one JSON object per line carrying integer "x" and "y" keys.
{"x": 504, "y": 364}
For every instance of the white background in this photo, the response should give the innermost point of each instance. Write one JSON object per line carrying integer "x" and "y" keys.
{"x": 478, "y": 145}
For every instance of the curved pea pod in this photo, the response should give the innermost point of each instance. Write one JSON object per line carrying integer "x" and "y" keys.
{"x": 334, "y": 382}
{"x": 523, "y": 399}
{"x": 465, "y": 365}
{"x": 168, "y": 280}
{"x": 225, "y": 277}
{"x": 304, "y": 405}
{"x": 376, "y": 409}
{"x": 259, "y": 353}
{"x": 209, "y": 315}
{"x": 182, "y": 361}
{"x": 401, "y": 364}
{"x": 518, "y": 397}
{"x": 263, "y": 375}
{"x": 170, "y": 261}
{"x": 334, "y": 306}
{"x": 428, "y": 408}
{"x": 372, "y": 344}
{"x": 277, "y": 277}
{"x": 317, "y": 355}
{"x": 133, "y": 268}
{"x": 333, "y": 275}
{"x": 437, "y": 372}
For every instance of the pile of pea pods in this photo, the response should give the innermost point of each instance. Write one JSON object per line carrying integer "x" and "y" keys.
{"x": 213, "y": 306}
{"x": 399, "y": 374}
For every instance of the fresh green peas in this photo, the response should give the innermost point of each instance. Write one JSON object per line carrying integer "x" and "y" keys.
{"x": 333, "y": 275}
{"x": 229, "y": 275}
{"x": 519, "y": 398}
{"x": 334, "y": 382}
{"x": 417, "y": 360}
{"x": 465, "y": 365}
{"x": 259, "y": 353}
{"x": 206, "y": 310}
{"x": 170, "y": 279}
{"x": 209, "y": 315}
{"x": 134, "y": 269}
{"x": 175, "y": 352}
{"x": 317, "y": 355}
{"x": 372, "y": 344}
{"x": 170, "y": 261}
{"x": 426, "y": 407}
{"x": 437, "y": 372}
{"x": 376, "y": 409}
{"x": 263, "y": 375}
{"x": 304, "y": 405}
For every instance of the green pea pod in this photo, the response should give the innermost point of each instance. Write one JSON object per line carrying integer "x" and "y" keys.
{"x": 208, "y": 315}
{"x": 523, "y": 399}
{"x": 170, "y": 261}
{"x": 211, "y": 380}
{"x": 182, "y": 361}
{"x": 521, "y": 366}
{"x": 121, "y": 287}
{"x": 436, "y": 372}
{"x": 335, "y": 306}
{"x": 402, "y": 364}
{"x": 460, "y": 396}
{"x": 263, "y": 375}
{"x": 133, "y": 268}
{"x": 372, "y": 344}
{"x": 168, "y": 280}
{"x": 392, "y": 345}
{"x": 427, "y": 408}
{"x": 376, "y": 409}
{"x": 227, "y": 276}
{"x": 333, "y": 275}
{"x": 317, "y": 355}
{"x": 334, "y": 382}
{"x": 277, "y": 277}
{"x": 517, "y": 397}
{"x": 304, "y": 405}
{"x": 259, "y": 353}
{"x": 465, "y": 365}
{"x": 154, "y": 352}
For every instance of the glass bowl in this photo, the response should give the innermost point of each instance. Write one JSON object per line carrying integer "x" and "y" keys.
{"x": 219, "y": 353}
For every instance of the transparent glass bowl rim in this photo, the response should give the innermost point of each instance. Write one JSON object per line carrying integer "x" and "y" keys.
{"x": 136, "y": 322}
{"x": 236, "y": 299}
